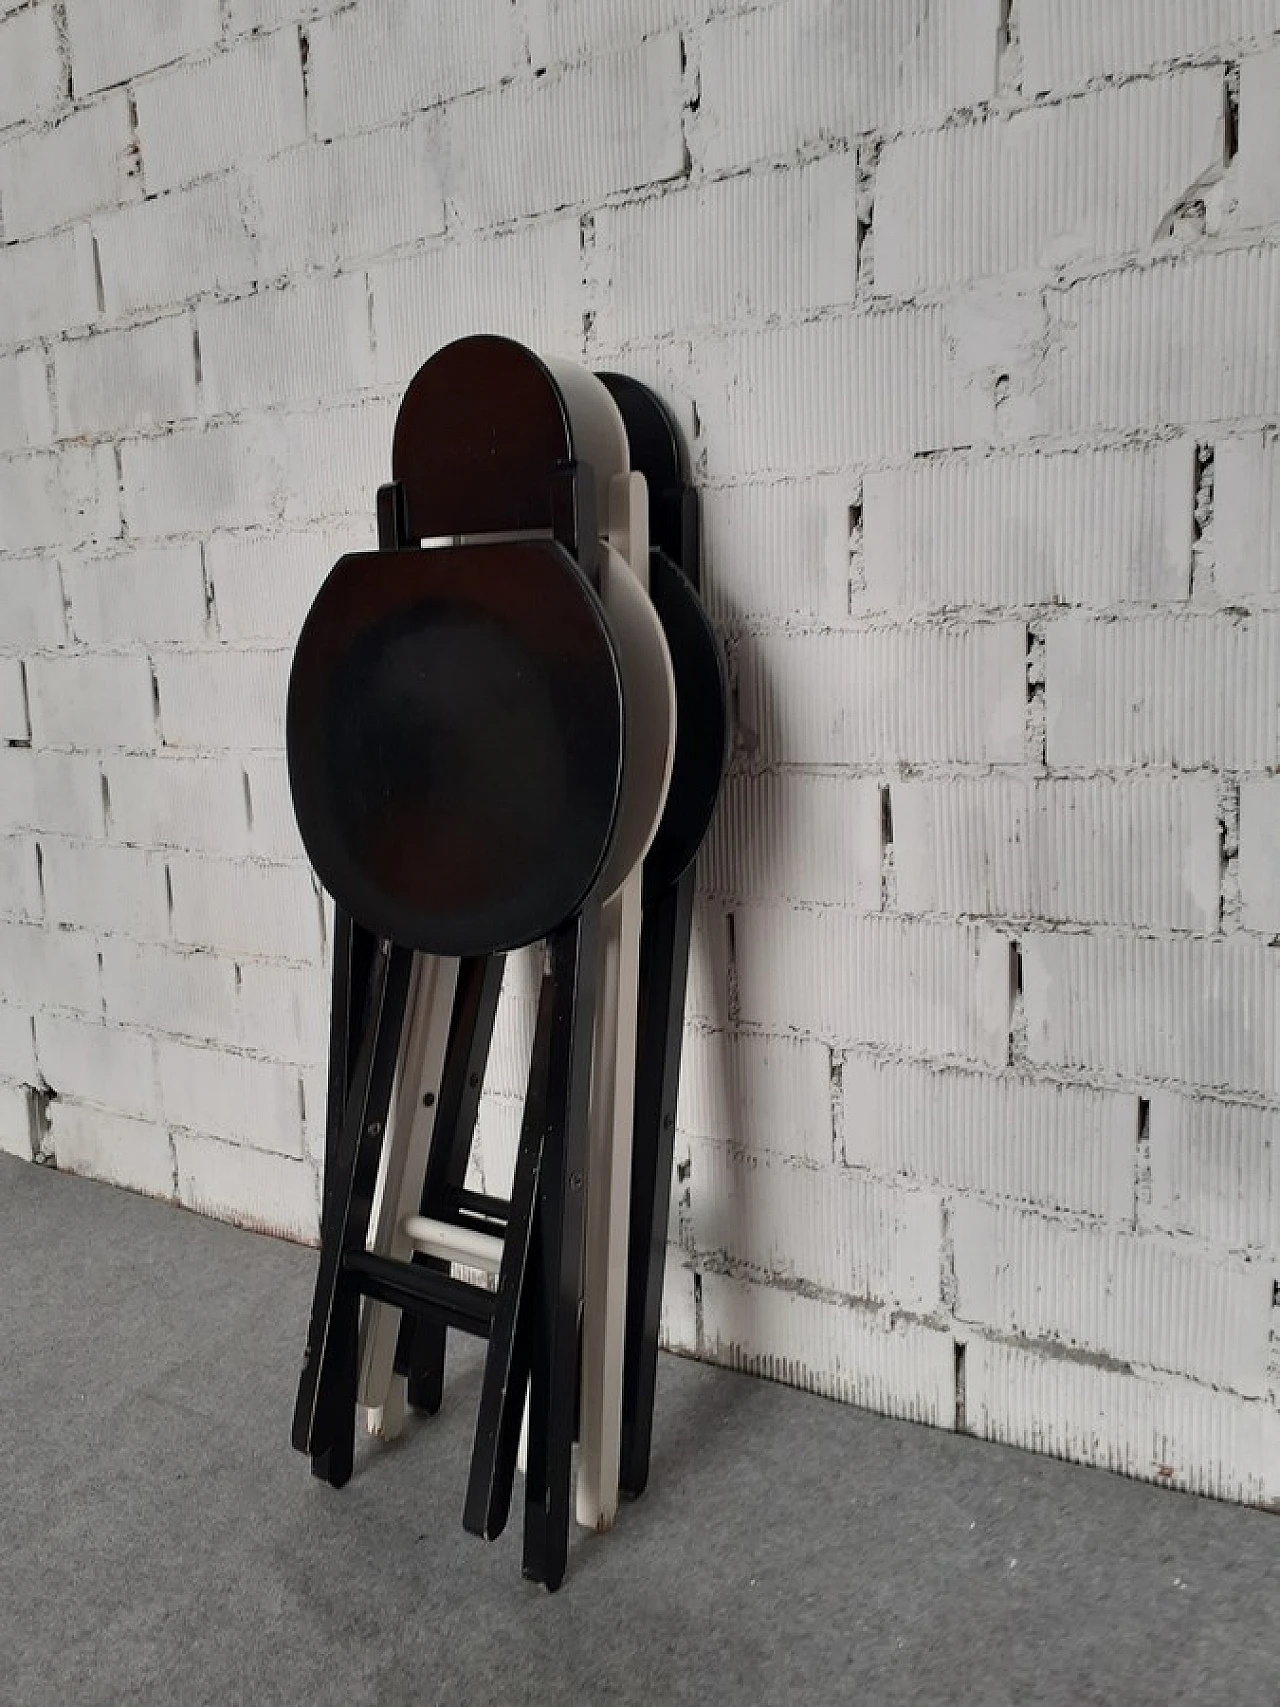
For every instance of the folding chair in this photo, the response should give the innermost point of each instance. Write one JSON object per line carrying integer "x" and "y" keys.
{"x": 473, "y": 730}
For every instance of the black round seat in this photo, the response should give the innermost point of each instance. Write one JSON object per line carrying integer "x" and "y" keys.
{"x": 455, "y": 742}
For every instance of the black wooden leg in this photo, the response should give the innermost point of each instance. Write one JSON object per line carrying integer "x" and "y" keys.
{"x": 506, "y": 1370}
{"x": 324, "y": 1415}
{"x": 353, "y": 953}
{"x": 664, "y": 967}
{"x": 557, "y": 1288}
{"x": 470, "y": 1037}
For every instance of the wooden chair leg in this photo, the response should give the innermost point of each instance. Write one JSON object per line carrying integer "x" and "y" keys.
{"x": 507, "y": 1362}
{"x": 557, "y": 1288}
{"x": 324, "y": 1415}
{"x": 470, "y": 1038}
{"x": 664, "y": 967}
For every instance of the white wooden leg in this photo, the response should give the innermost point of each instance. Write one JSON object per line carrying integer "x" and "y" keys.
{"x": 604, "y": 1308}
{"x": 404, "y": 1165}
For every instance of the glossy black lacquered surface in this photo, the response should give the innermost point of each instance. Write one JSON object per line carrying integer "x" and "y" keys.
{"x": 454, "y": 733}
{"x": 656, "y": 452}
{"x": 483, "y": 444}
{"x": 702, "y": 727}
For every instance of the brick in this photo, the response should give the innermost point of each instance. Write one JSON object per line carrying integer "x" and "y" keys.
{"x": 51, "y": 177}
{"x": 132, "y": 1153}
{"x": 1254, "y": 193}
{"x": 264, "y": 583}
{"x": 175, "y": 246}
{"x": 750, "y": 246}
{"x": 17, "y": 1045}
{"x": 163, "y": 801}
{"x": 116, "y": 380}
{"x": 245, "y": 907}
{"x": 47, "y": 284}
{"x": 148, "y": 594}
{"x": 26, "y": 418}
{"x": 707, "y": 994}
{"x": 518, "y": 149}
{"x": 999, "y": 196}
{"x": 17, "y": 1122}
{"x": 901, "y": 1369}
{"x": 210, "y": 700}
{"x": 803, "y": 838}
{"x": 1143, "y": 852}
{"x": 867, "y": 696}
{"x": 334, "y": 460}
{"x": 562, "y": 30}
{"x": 15, "y": 722}
{"x": 105, "y": 888}
{"x": 524, "y": 284}
{"x": 195, "y": 479}
{"x": 678, "y": 1322}
{"x": 284, "y": 1011}
{"x": 507, "y": 1069}
{"x": 245, "y": 15}
{"x": 823, "y": 1226}
{"x": 1144, "y": 1299}
{"x": 308, "y": 341}
{"x": 383, "y": 59}
{"x": 56, "y": 792}
{"x": 1033, "y": 1141}
{"x": 31, "y": 598}
{"x": 1149, "y": 691}
{"x": 1069, "y": 41}
{"x": 184, "y": 993}
{"x": 91, "y": 702}
{"x": 1259, "y": 840}
{"x": 1157, "y": 1428}
{"x": 1246, "y": 518}
{"x": 828, "y": 393}
{"x": 66, "y": 497}
{"x": 269, "y": 1193}
{"x": 273, "y": 830}
{"x": 940, "y": 989}
{"x": 776, "y": 549}
{"x": 231, "y": 1096}
{"x": 1215, "y": 1171}
{"x": 790, "y": 76}
{"x": 49, "y": 968}
{"x": 104, "y": 1065}
{"x": 20, "y": 896}
{"x": 758, "y": 1093}
{"x": 1195, "y": 1011}
{"x": 109, "y": 47}
{"x": 31, "y": 83}
{"x": 1086, "y": 526}
{"x": 323, "y": 205}
{"x": 1181, "y": 341}
{"x": 206, "y": 115}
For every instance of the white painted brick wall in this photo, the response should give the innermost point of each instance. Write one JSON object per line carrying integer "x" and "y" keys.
{"x": 111, "y": 45}
{"x": 86, "y": 161}
{"x": 968, "y": 314}
{"x": 30, "y": 66}
{"x": 996, "y": 196}
{"x": 1079, "y": 526}
{"x": 112, "y": 380}
{"x": 211, "y": 113}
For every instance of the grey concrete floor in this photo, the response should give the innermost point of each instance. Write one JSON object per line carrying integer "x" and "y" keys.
{"x": 159, "y": 1541}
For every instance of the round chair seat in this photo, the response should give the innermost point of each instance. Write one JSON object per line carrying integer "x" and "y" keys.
{"x": 455, "y": 742}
